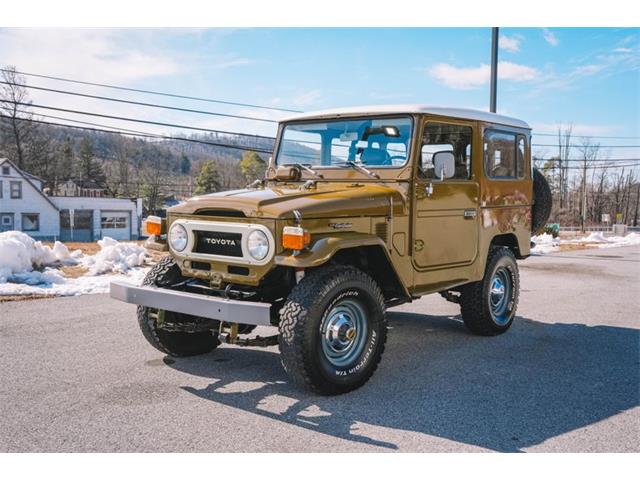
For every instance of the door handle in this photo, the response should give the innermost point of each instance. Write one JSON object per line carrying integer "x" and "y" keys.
{"x": 470, "y": 214}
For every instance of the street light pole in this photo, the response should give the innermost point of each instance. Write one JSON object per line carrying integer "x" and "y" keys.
{"x": 494, "y": 68}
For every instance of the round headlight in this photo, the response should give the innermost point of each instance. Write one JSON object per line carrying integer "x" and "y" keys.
{"x": 258, "y": 245}
{"x": 178, "y": 237}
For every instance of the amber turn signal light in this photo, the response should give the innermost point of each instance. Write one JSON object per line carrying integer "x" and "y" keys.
{"x": 152, "y": 226}
{"x": 295, "y": 238}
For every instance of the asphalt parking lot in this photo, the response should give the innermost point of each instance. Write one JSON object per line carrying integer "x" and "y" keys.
{"x": 76, "y": 375}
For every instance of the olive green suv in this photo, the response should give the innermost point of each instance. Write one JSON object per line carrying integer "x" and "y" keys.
{"x": 360, "y": 210}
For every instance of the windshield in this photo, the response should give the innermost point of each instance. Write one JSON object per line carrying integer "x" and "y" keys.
{"x": 372, "y": 142}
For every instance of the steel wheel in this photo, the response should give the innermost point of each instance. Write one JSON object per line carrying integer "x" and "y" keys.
{"x": 344, "y": 333}
{"x": 500, "y": 295}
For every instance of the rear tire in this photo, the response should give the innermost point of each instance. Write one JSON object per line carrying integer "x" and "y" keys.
{"x": 489, "y": 306}
{"x": 333, "y": 330}
{"x": 176, "y": 344}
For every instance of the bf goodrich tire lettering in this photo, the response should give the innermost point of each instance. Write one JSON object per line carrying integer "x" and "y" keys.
{"x": 302, "y": 317}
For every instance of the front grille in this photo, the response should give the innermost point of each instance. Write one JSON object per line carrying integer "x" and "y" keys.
{"x": 218, "y": 243}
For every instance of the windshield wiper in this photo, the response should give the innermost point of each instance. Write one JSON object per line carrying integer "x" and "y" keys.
{"x": 362, "y": 169}
{"x": 302, "y": 166}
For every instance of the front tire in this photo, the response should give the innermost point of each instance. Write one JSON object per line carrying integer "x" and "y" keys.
{"x": 489, "y": 306}
{"x": 333, "y": 330}
{"x": 176, "y": 344}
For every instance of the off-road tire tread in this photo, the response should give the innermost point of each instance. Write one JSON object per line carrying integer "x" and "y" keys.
{"x": 176, "y": 344}
{"x": 302, "y": 299}
{"x": 475, "y": 311}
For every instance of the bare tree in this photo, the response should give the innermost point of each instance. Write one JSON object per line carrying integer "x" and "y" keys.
{"x": 14, "y": 101}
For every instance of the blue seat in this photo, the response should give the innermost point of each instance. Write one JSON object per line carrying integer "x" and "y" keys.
{"x": 375, "y": 156}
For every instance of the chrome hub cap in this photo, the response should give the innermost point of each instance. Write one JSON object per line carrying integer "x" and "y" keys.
{"x": 499, "y": 295}
{"x": 343, "y": 333}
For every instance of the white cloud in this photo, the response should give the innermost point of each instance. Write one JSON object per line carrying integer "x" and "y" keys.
{"x": 622, "y": 50}
{"x": 510, "y": 44}
{"x": 474, "y": 77}
{"x": 550, "y": 37}
{"x": 107, "y": 55}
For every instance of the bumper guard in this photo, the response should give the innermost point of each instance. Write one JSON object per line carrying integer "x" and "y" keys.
{"x": 223, "y": 309}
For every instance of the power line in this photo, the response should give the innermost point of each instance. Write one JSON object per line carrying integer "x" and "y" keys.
{"x": 239, "y": 104}
{"x": 148, "y": 135}
{"x": 582, "y": 146}
{"x": 137, "y": 120}
{"x": 142, "y": 104}
{"x": 612, "y": 137}
{"x": 557, "y": 160}
{"x": 152, "y": 92}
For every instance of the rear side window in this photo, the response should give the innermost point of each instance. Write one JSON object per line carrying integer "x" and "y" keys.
{"x": 504, "y": 154}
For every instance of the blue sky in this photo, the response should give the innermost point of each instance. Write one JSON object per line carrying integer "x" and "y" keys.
{"x": 588, "y": 77}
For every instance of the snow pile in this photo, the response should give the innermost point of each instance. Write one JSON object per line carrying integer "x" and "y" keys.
{"x": 25, "y": 266}
{"x": 20, "y": 254}
{"x": 73, "y": 286}
{"x": 114, "y": 257}
{"x": 601, "y": 241}
{"x": 545, "y": 243}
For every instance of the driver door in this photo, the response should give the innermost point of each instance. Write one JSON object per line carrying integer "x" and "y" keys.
{"x": 445, "y": 219}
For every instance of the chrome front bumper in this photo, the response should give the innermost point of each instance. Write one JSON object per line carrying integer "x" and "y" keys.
{"x": 223, "y": 309}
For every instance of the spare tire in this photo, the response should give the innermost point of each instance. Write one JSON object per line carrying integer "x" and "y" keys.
{"x": 542, "y": 200}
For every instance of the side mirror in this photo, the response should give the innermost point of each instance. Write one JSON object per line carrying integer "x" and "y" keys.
{"x": 444, "y": 164}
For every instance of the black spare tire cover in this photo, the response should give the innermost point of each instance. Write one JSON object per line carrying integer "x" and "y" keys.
{"x": 542, "y": 201}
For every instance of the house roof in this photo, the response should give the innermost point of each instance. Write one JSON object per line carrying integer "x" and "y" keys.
{"x": 27, "y": 176}
{"x": 464, "y": 113}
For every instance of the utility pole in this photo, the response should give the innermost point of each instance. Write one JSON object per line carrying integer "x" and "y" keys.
{"x": 494, "y": 69}
{"x": 584, "y": 192}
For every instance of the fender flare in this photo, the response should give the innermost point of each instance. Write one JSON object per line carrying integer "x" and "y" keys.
{"x": 325, "y": 248}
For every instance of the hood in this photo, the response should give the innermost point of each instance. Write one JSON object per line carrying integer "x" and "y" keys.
{"x": 324, "y": 200}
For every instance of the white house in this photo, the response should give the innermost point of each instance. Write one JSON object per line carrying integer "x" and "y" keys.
{"x": 25, "y": 207}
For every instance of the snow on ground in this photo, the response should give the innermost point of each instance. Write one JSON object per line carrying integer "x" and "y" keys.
{"x": 545, "y": 243}
{"x": 29, "y": 267}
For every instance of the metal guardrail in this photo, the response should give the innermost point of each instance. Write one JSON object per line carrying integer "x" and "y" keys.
{"x": 602, "y": 228}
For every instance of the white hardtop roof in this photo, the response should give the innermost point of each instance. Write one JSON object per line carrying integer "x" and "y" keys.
{"x": 463, "y": 113}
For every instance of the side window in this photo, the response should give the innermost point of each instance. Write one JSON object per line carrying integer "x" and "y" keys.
{"x": 522, "y": 155}
{"x": 503, "y": 156}
{"x": 443, "y": 137}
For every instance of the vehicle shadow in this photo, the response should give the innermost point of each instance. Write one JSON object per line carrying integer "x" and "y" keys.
{"x": 502, "y": 393}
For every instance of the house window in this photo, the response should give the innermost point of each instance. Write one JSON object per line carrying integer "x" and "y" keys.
{"x": 16, "y": 189}
{"x": 30, "y": 222}
{"x": 6, "y": 171}
{"x": 113, "y": 222}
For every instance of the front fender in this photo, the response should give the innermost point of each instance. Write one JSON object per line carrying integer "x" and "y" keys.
{"x": 326, "y": 247}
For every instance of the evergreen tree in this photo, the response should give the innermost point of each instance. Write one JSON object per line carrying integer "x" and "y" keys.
{"x": 66, "y": 161}
{"x": 252, "y": 166}
{"x": 207, "y": 181}
{"x": 88, "y": 167}
{"x": 185, "y": 165}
